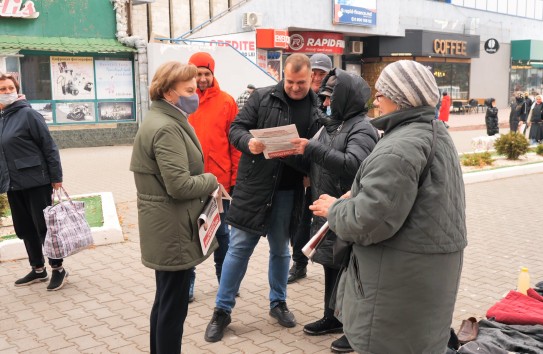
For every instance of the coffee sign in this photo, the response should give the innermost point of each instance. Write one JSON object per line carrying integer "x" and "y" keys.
{"x": 492, "y": 46}
{"x": 450, "y": 47}
{"x": 15, "y": 8}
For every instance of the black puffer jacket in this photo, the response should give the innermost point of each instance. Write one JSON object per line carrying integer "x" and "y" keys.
{"x": 30, "y": 157}
{"x": 258, "y": 177}
{"x": 345, "y": 141}
{"x": 491, "y": 118}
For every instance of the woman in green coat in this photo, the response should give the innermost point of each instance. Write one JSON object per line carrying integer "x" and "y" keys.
{"x": 172, "y": 188}
{"x": 407, "y": 228}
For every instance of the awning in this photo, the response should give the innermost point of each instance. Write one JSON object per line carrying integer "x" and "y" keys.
{"x": 8, "y": 44}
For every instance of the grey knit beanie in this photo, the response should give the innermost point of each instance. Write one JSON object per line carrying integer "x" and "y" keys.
{"x": 408, "y": 84}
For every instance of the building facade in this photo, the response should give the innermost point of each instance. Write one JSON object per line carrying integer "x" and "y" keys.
{"x": 467, "y": 44}
{"x": 72, "y": 69}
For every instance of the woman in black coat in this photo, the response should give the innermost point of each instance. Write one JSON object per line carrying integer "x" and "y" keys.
{"x": 491, "y": 117}
{"x": 335, "y": 154}
{"x": 535, "y": 122}
{"x": 29, "y": 170}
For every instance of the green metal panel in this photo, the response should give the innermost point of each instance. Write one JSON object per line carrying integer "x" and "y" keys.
{"x": 527, "y": 49}
{"x": 65, "y": 18}
{"x": 536, "y": 50}
{"x": 62, "y": 44}
{"x": 520, "y": 50}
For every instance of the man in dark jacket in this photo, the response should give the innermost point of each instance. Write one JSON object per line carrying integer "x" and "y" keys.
{"x": 264, "y": 197}
{"x": 320, "y": 66}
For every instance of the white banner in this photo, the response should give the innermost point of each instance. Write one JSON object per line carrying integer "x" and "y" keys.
{"x": 114, "y": 79}
{"x": 72, "y": 78}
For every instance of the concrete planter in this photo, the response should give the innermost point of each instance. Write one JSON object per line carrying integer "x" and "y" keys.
{"x": 108, "y": 233}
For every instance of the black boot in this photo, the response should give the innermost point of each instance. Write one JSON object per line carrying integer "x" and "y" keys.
{"x": 296, "y": 272}
{"x": 323, "y": 326}
{"x": 341, "y": 345}
{"x": 215, "y": 329}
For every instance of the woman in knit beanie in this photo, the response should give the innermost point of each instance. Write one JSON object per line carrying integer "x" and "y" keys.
{"x": 407, "y": 227}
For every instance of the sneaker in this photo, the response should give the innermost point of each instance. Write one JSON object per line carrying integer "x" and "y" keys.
{"x": 32, "y": 277}
{"x": 59, "y": 277}
{"x": 296, "y": 272}
{"x": 215, "y": 329}
{"x": 323, "y": 326}
{"x": 282, "y": 314}
{"x": 191, "y": 290}
{"x": 341, "y": 345}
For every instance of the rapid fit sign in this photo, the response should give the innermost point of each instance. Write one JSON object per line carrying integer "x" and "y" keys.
{"x": 16, "y": 8}
{"x": 316, "y": 42}
{"x": 355, "y": 12}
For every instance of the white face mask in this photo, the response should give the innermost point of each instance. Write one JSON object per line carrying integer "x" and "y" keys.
{"x": 8, "y": 98}
{"x": 328, "y": 111}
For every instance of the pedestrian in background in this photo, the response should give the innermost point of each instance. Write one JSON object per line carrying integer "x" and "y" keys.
{"x": 30, "y": 169}
{"x": 535, "y": 121}
{"x": 264, "y": 198}
{"x": 445, "y": 108}
{"x": 491, "y": 117}
{"x": 242, "y": 99}
{"x": 211, "y": 122}
{"x": 335, "y": 156}
{"x": 407, "y": 226}
{"x": 516, "y": 109}
{"x": 320, "y": 66}
{"x": 168, "y": 167}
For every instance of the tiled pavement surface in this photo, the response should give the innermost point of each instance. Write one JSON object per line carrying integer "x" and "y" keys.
{"x": 105, "y": 306}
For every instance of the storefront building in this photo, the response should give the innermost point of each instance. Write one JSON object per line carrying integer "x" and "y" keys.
{"x": 527, "y": 67}
{"x": 71, "y": 68}
{"x": 447, "y": 55}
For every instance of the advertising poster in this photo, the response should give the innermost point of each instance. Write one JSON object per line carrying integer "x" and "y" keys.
{"x": 45, "y": 109}
{"x": 72, "y": 78}
{"x": 114, "y": 79}
{"x": 355, "y": 12}
{"x": 75, "y": 112}
{"x": 244, "y": 42}
{"x": 113, "y": 111}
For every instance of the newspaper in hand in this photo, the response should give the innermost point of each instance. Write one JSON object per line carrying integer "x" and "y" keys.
{"x": 277, "y": 140}
{"x": 210, "y": 220}
{"x": 311, "y": 247}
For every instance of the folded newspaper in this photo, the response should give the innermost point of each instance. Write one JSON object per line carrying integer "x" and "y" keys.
{"x": 210, "y": 220}
{"x": 311, "y": 247}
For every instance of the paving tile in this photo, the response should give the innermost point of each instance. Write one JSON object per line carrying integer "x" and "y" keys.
{"x": 105, "y": 308}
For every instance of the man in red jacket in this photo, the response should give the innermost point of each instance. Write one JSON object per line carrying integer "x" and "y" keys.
{"x": 211, "y": 121}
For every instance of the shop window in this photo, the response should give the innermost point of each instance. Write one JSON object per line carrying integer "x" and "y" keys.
{"x": 36, "y": 80}
{"x": 453, "y": 78}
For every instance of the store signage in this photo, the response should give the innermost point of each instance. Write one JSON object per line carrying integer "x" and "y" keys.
{"x": 281, "y": 39}
{"x": 316, "y": 42}
{"x": 357, "y": 12}
{"x": 15, "y": 8}
{"x": 492, "y": 46}
{"x": 450, "y": 47}
{"x": 244, "y": 42}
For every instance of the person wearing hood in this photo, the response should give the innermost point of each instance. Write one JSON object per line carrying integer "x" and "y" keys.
{"x": 491, "y": 117}
{"x": 211, "y": 120}
{"x": 405, "y": 217}
{"x": 346, "y": 139}
{"x": 30, "y": 169}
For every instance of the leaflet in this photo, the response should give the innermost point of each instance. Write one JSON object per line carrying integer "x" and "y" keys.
{"x": 277, "y": 140}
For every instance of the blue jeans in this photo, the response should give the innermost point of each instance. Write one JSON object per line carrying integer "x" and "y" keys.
{"x": 242, "y": 245}
{"x": 223, "y": 238}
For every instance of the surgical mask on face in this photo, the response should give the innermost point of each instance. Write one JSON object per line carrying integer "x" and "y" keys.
{"x": 8, "y": 98}
{"x": 328, "y": 111}
{"x": 188, "y": 104}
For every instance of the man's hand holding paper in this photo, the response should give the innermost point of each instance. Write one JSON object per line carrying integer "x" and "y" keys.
{"x": 276, "y": 142}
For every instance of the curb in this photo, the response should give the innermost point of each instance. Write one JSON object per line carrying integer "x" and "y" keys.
{"x": 110, "y": 232}
{"x": 504, "y": 172}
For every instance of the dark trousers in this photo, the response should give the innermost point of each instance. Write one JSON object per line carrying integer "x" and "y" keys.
{"x": 29, "y": 223}
{"x": 303, "y": 232}
{"x": 169, "y": 311}
{"x": 330, "y": 277}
